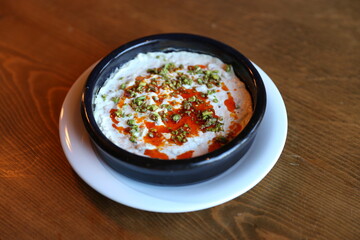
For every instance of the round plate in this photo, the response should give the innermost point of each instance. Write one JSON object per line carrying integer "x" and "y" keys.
{"x": 244, "y": 175}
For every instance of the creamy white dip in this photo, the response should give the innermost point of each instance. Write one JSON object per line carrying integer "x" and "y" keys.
{"x": 172, "y": 105}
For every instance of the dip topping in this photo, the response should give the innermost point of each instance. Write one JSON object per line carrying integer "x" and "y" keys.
{"x": 174, "y": 110}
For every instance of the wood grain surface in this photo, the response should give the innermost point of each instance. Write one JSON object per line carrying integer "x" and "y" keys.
{"x": 311, "y": 50}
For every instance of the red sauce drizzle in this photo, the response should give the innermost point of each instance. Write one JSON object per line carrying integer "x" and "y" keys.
{"x": 121, "y": 102}
{"x": 229, "y": 103}
{"x": 113, "y": 116}
{"x": 187, "y": 154}
{"x": 214, "y": 145}
{"x": 235, "y": 129}
{"x": 190, "y": 123}
{"x": 202, "y": 66}
{"x": 119, "y": 128}
{"x": 157, "y": 139}
{"x": 224, "y": 87}
{"x": 154, "y": 153}
{"x": 160, "y": 99}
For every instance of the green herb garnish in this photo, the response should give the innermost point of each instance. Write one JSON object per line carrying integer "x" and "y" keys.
{"x": 133, "y": 139}
{"x": 176, "y": 117}
{"x": 123, "y": 86}
{"x": 115, "y": 99}
{"x": 228, "y": 68}
{"x": 131, "y": 122}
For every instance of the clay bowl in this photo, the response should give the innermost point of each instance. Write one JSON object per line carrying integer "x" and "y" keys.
{"x": 183, "y": 171}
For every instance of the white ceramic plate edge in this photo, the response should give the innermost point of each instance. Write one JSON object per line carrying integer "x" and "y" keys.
{"x": 81, "y": 156}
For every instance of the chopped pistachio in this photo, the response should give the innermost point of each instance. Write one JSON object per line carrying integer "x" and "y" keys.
{"x": 142, "y": 84}
{"x": 176, "y": 117}
{"x": 215, "y": 76}
{"x": 206, "y": 114}
{"x": 164, "y": 72}
{"x": 228, "y": 68}
{"x": 210, "y": 121}
{"x": 209, "y": 85}
{"x": 152, "y": 107}
{"x": 119, "y": 113}
{"x": 186, "y": 105}
{"x": 154, "y": 116}
{"x": 135, "y": 128}
{"x": 221, "y": 139}
{"x": 115, "y": 99}
{"x": 139, "y": 100}
{"x": 133, "y": 139}
{"x": 169, "y": 66}
{"x": 131, "y": 93}
{"x": 153, "y": 71}
{"x": 131, "y": 122}
{"x": 166, "y": 106}
{"x": 209, "y": 92}
{"x": 123, "y": 86}
{"x": 133, "y": 131}
{"x": 192, "y": 99}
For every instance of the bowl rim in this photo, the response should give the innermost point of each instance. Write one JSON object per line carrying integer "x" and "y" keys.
{"x": 163, "y": 164}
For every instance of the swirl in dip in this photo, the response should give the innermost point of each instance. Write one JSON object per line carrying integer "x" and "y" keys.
{"x": 172, "y": 105}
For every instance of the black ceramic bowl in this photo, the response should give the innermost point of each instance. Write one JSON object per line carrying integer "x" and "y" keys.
{"x": 173, "y": 172}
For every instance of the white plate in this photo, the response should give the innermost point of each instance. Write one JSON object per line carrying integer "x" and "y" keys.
{"x": 254, "y": 166}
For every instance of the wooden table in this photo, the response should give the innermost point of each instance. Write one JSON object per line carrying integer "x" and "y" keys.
{"x": 309, "y": 49}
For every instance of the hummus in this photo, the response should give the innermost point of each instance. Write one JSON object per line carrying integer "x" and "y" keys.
{"x": 172, "y": 105}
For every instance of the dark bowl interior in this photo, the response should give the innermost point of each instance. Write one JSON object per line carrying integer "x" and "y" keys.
{"x": 173, "y": 172}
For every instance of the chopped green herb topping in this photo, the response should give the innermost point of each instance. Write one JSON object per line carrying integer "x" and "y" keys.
{"x": 228, "y": 68}
{"x": 115, "y": 99}
{"x": 131, "y": 122}
{"x": 119, "y": 113}
{"x": 172, "y": 77}
{"x": 152, "y": 107}
{"x": 176, "y": 117}
{"x": 221, "y": 139}
{"x": 206, "y": 114}
{"x": 154, "y": 116}
{"x": 132, "y": 139}
{"x": 123, "y": 86}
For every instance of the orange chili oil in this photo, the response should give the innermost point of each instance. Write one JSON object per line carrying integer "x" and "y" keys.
{"x": 187, "y": 154}
{"x": 195, "y": 114}
{"x": 224, "y": 87}
{"x": 229, "y": 103}
{"x": 113, "y": 116}
{"x": 214, "y": 145}
{"x": 154, "y": 153}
